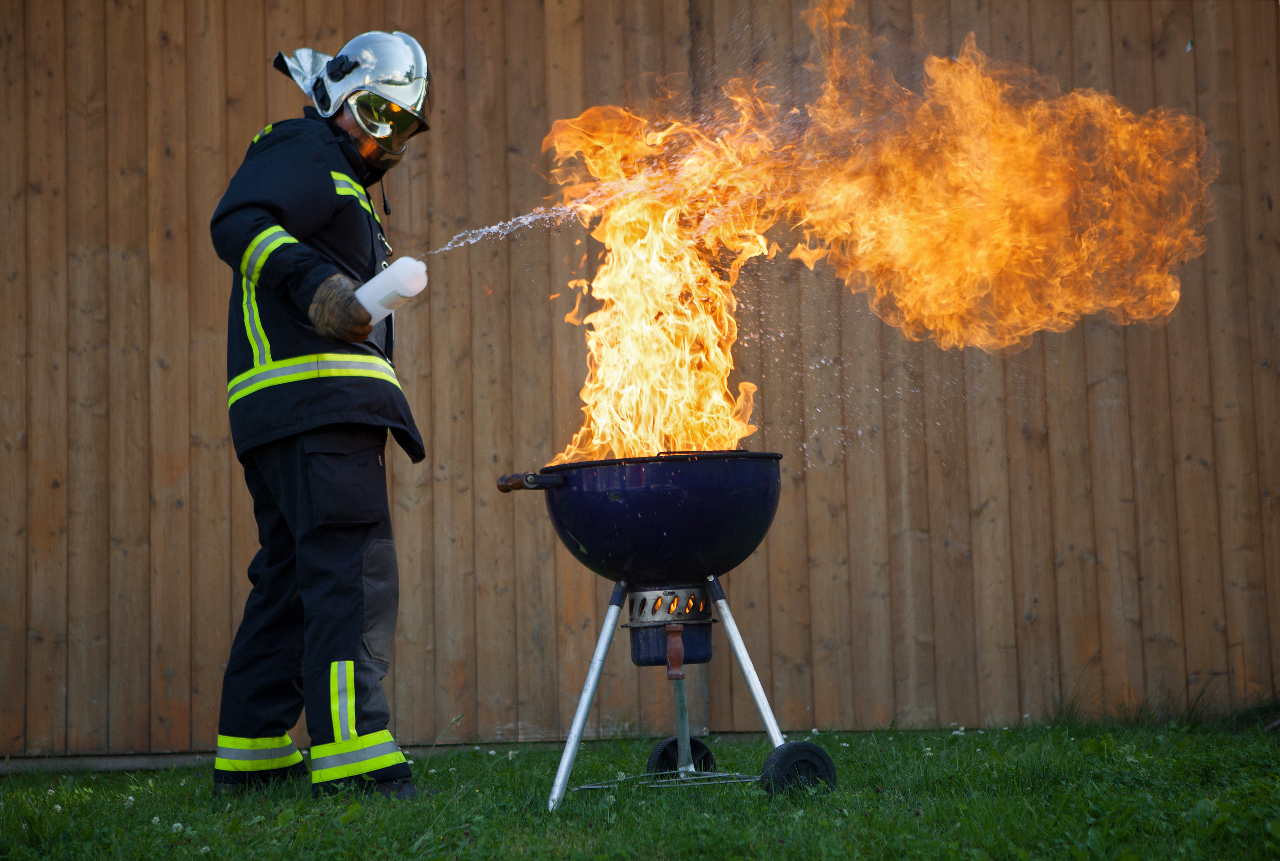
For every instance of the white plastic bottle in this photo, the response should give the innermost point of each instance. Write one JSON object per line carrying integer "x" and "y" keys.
{"x": 392, "y": 287}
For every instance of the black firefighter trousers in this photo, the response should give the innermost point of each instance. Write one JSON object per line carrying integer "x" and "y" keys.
{"x": 320, "y": 622}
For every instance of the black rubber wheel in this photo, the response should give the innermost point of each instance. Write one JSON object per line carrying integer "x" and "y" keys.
{"x": 666, "y": 756}
{"x": 797, "y": 764}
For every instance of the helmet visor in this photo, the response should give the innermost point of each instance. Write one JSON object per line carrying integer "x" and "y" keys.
{"x": 387, "y": 123}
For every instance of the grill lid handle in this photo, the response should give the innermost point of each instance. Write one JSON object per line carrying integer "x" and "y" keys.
{"x": 530, "y": 481}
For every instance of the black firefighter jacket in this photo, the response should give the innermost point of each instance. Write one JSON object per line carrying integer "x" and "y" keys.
{"x": 295, "y": 213}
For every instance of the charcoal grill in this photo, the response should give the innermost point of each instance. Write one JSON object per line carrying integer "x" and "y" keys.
{"x": 665, "y": 529}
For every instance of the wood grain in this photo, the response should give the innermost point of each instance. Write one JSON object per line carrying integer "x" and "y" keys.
{"x": 492, "y": 434}
{"x": 47, "y": 386}
{"x": 1191, "y": 404}
{"x": 1256, "y": 64}
{"x": 1027, "y": 438}
{"x": 451, "y": 396}
{"x": 13, "y": 389}
{"x": 130, "y": 435}
{"x": 531, "y": 374}
{"x": 910, "y": 572}
{"x": 88, "y": 463}
{"x": 169, "y": 348}
{"x": 577, "y": 625}
{"x": 412, "y": 486}
{"x": 212, "y": 568}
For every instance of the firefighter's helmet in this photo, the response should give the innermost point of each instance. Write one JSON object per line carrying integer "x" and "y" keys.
{"x": 382, "y": 76}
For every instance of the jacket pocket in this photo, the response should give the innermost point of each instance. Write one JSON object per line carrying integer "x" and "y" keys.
{"x": 346, "y": 477}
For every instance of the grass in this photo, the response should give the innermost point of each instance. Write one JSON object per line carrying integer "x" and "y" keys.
{"x": 1064, "y": 790}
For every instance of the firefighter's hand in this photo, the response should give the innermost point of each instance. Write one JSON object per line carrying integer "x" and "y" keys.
{"x": 337, "y": 313}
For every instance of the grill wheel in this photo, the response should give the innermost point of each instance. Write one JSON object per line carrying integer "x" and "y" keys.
{"x": 666, "y": 757}
{"x": 797, "y": 764}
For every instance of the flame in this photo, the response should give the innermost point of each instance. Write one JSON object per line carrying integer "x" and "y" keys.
{"x": 688, "y": 608}
{"x": 977, "y": 212}
{"x": 674, "y": 602}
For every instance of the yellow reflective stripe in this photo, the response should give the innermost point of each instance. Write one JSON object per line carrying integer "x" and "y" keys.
{"x": 262, "y": 134}
{"x": 255, "y": 754}
{"x": 255, "y": 257}
{"x": 358, "y": 756}
{"x": 309, "y": 368}
{"x": 237, "y": 743}
{"x": 344, "y": 184}
{"x": 342, "y": 689}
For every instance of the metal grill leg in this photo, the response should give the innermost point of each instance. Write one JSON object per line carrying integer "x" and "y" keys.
{"x": 685, "y": 760}
{"x": 744, "y": 663}
{"x": 588, "y": 694}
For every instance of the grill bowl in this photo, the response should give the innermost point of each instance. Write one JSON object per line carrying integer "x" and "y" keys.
{"x": 674, "y": 519}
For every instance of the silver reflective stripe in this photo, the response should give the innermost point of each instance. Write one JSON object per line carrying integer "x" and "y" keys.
{"x": 337, "y": 760}
{"x": 251, "y": 320}
{"x": 313, "y": 367}
{"x": 257, "y": 753}
{"x": 344, "y": 702}
{"x": 265, "y": 241}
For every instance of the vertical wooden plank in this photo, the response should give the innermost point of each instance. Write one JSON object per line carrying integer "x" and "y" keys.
{"x": 167, "y": 232}
{"x": 1066, "y": 412}
{"x": 360, "y": 16}
{"x": 531, "y": 372}
{"x": 247, "y": 65}
{"x": 1194, "y": 462}
{"x": 605, "y": 83}
{"x": 47, "y": 382}
{"x": 1027, "y": 436}
{"x": 721, "y": 671}
{"x": 286, "y": 30}
{"x": 451, "y": 354}
{"x": 1230, "y": 362}
{"x": 1110, "y": 452}
{"x": 642, "y": 45}
{"x": 677, "y": 47}
{"x": 915, "y": 692}
{"x": 413, "y": 666}
{"x": 872, "y": 673}
{"x": 491, "y": 373}
{"x": 994, "y": 634}
{"x": 951, "y": 559}
{"x": 995, "y": 638}
{"x": 88, "y": 527}
{"x": 1256, "y": 59}
{"x": 211, "y": 450}
{"x": 782, "y": 381}
{"x": 127, "y": 203}
{"x": 576, "y": 604}
{"x": 825, "y": 483}
{"x": 1150, "y": 422}
{"x": 13, "y": 390}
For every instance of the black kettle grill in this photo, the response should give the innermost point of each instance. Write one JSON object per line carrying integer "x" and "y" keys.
{"x": 666, "y": 528}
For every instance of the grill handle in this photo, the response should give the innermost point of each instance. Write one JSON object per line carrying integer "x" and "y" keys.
{"x": 530, "y": 481}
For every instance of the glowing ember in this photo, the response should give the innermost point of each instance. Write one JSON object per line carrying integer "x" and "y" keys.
{"x": 976, "y": 213}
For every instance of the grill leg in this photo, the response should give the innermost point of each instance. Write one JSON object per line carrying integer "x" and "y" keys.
{"x": 744, "y": 663}
{"x": 682, "y": 727}
{"x": 588, "y": 694}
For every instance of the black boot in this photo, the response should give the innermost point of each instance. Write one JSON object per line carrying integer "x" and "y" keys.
{"x": 226, "y": 786}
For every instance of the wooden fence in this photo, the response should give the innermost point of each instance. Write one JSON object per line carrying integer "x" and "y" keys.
{"x": 962, "y": 538}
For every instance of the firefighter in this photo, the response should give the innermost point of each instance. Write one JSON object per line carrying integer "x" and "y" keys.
{"x": 312, "y": 395}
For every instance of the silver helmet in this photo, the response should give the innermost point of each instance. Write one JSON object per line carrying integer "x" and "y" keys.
{"x": 382, "y": 75}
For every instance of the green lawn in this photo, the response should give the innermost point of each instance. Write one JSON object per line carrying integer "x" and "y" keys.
{"x": 1060, "y": 791}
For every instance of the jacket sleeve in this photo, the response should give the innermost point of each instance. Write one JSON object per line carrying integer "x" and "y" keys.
{"x": 282, "y": 194}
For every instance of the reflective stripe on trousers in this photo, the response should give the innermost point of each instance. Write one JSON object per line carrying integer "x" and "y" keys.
{"x": 309, "y": 367}
{"x": 360, "y": 755}
{"x": 255, "y": 754}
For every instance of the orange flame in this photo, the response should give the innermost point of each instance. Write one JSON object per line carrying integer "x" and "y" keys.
{"x": 976, "y": 213}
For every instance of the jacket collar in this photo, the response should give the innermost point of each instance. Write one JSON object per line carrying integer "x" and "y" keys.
{"x": 363, "y": 172}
